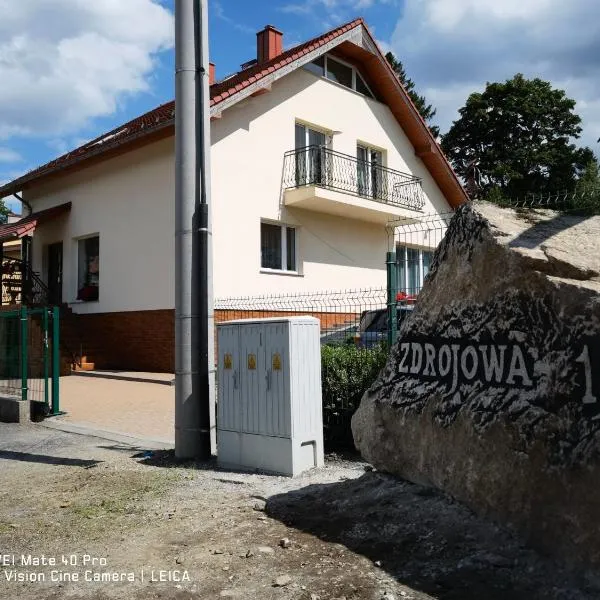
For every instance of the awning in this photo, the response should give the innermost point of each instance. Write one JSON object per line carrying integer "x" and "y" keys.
{"x": 27, "y": 225}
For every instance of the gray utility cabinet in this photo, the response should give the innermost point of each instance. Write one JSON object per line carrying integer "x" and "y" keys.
{"x": 269, "y": 409}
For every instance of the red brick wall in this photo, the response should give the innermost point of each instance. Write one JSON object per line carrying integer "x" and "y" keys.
{"x": 130, "y": 341}
{"x": 145, "y": 340}
{"x": 328, "y": 319}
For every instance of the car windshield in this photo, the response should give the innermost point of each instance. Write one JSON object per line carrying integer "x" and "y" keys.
{"x": 376, "y": 320}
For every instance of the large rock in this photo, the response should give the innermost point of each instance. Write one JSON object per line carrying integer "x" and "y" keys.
{"x": 493, "y": 390}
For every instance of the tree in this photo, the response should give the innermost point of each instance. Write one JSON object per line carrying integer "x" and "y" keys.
{"x": 427, "y": 111}
{"x": 519, "y": 133}
{"x": 586, "y": 195}
{"x": 4, "y": 212}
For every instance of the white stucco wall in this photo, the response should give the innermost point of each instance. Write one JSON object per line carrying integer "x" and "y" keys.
{"x": 247, "y": 163}
{"x": 129, "y": 201}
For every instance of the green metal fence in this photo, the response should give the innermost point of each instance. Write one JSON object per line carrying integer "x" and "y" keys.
{"x": 30, "y": 357}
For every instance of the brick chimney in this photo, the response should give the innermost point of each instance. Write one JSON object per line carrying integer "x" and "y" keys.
{"x": 211, "y": 73}
{"x": 269, "y": 44}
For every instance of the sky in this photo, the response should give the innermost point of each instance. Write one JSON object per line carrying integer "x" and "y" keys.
{"x": 72, "y": 69}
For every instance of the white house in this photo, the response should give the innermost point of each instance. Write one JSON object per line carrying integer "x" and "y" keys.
{"x": 314, "y": 150}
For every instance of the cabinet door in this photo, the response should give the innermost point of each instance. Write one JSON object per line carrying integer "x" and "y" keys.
{"x": 228, "y": 366}
{"x": 252, "y": 379}
{"x": 275, "y": 410}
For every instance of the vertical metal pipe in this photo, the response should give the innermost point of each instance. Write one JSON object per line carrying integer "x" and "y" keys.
{"x": 207, "y": 319}
{"x": 23, "y": 318}
{"x": 45, "y": 346}
{"x": 192, "y": 235}
{"x": 392, "y": 291}
{"x": 55, "y": 360}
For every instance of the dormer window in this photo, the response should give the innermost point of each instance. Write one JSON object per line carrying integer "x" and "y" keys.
{"x": 339, "y": 72}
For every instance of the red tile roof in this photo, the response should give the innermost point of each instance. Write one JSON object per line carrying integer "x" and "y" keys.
{"x": 163, "y": 117}
{"x": 28, "y": 224}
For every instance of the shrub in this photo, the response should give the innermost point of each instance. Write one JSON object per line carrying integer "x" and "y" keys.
{"x": 347, "y": 373}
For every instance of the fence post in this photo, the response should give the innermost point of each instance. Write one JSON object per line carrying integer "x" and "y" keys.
{"x": 55, "y": 360}
{"x": 24, "y": 347}
{"x": 45, "y": 358}
{"x": 392, "y": 291}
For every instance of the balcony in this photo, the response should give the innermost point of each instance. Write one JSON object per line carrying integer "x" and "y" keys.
{"x": 319, "y": 179}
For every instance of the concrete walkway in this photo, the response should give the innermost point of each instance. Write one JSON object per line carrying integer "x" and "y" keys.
{"x": 132, "y": 408}
{"x": 139, "y": 376}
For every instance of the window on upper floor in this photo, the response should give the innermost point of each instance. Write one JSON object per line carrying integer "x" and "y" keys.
{"x": 370, "y": 172}
{"x": 88, "y": 267}
{"x": 311, "y": 154}
{"x": 278, "y": 247}
{"x": 340, "y": 72}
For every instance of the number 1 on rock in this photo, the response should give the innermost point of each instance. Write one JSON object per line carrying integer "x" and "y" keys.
{"x": 584, "y": 358}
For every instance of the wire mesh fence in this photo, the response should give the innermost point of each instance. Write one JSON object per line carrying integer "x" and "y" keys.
{"x": 38, "y": 366}
{"x": 582, "y": 197}
{"x": 10, "y": 354}
{"x": 415, "y": 243}
{"x": 26, "y": 355}
{"x": 357, "y": 325}
{"x": 353, "y": 336}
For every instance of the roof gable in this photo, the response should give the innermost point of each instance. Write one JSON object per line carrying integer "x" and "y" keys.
{"x": 352, "y": 39}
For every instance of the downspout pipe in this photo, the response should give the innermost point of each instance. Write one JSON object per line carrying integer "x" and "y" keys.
{"x": 194, "y": 347}
{"x": 205, "y": 258}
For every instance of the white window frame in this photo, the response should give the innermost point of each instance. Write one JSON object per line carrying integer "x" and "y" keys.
{"x": 369, "y": 148}
{"x": 404, "y": 285}
{"x": 75, "y": 247}
{"x": 355, "y": 71}
{"x": 284, "y": 228}
{"x": 308, "y": 126}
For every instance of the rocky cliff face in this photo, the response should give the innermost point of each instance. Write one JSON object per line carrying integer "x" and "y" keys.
{"x": 493, "y": 390}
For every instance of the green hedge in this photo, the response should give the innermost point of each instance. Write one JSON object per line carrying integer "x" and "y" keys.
{"x": 346, "y": 373}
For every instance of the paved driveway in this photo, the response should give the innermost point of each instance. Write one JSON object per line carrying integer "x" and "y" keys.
{"x": 127, "y": 407}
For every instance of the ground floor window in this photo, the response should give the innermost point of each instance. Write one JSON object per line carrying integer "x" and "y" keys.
{"x": 88, "y": 280}
{"x": 412, "y": 268}
{"x": 278, "y": 247}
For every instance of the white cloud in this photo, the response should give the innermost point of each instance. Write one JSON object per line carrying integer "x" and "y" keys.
{"x": 451, "y": 48}
{"x": 219, "y": 12}
{"x": 9, "y": 156}
{"x": 64, "y": 62}
{"x": 332, "y": 12}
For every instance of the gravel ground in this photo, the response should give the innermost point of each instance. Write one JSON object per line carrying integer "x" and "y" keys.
{"x": 187, "y": 531}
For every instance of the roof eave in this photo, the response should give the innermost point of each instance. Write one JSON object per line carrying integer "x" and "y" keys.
{"x": 433, "y": 156}
{"x": 23, "y": 182}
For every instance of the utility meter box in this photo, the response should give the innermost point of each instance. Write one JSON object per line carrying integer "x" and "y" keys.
{"x": 269, "y": 409}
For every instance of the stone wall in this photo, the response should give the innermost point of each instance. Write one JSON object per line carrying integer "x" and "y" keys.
{"x": 493, "y": 391}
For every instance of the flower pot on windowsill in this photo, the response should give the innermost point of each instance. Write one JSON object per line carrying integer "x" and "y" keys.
{"x": 89, "y": 293}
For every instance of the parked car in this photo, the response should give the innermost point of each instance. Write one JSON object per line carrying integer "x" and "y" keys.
{"x": 373, "y": 326}
{"x": 340, "y": 335}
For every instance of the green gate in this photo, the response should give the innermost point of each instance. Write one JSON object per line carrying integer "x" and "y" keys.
{"x": 30, "y": 358}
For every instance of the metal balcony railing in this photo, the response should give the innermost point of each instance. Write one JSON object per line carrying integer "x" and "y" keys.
{"x": 320, "y": 166}
{"x": 20, "y": 284}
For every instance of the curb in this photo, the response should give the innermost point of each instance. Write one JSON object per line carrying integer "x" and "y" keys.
{"x": 117, "y": 377}
{"x": 113, "y": 436}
